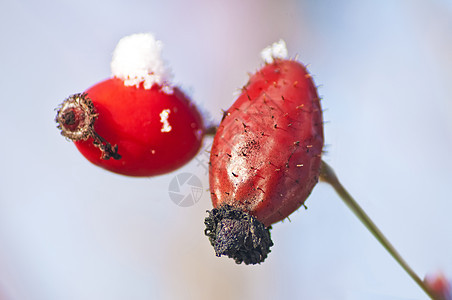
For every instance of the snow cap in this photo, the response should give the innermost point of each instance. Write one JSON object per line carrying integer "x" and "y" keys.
{"x": 275, "y": 50}
{"x": 137, "y": 59}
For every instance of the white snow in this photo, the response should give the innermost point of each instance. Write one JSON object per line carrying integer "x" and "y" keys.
{"x": 275, "y": 50}
{"x": 137, "y": 59}
{"x": 164, "y": 120}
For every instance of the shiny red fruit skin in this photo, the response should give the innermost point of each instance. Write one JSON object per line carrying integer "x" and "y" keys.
{"x": 130, "y": 118}
{"x": 266, "y": 155}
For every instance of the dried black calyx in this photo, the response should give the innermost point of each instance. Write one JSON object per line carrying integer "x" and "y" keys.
{"x": 76, "y": 117}
{"x": 238, "y": 235}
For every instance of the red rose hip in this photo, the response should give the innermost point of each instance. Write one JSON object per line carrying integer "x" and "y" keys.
{"x": 135, "y": 123}
{"x": 265, "y": 158}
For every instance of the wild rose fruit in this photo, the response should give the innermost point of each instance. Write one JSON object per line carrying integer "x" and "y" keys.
{"x": 265, "y": 158}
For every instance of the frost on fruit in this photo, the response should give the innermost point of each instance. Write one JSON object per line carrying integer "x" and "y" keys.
{"x": 275, "y": 50}
{"x": 164, "y": 120}
{"x": 137, "y": 60}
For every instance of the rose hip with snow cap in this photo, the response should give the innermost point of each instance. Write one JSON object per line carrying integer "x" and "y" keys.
{"x": 265, "y": 158}
{"x": 135, "y": 123}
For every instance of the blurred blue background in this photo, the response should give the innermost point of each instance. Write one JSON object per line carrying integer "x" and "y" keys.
{"x": 69, "y": 230}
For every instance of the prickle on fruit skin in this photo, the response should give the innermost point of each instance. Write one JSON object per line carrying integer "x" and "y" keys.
{"x": 266, "y": 155}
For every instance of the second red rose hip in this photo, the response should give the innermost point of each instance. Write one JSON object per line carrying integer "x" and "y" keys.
{"x": 265, "y": 158}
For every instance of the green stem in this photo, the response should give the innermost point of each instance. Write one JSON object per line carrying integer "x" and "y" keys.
{"x": 327, "y": 175}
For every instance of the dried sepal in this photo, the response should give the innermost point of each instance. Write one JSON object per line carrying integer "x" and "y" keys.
{"x": 76, "y": 117}
{"x": 238, "y": 235}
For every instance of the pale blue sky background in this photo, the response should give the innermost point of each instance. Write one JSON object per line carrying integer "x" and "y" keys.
{"x": 69, "y": 230}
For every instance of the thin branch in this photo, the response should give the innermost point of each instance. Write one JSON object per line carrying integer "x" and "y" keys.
{"x": 327, "y": 175}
